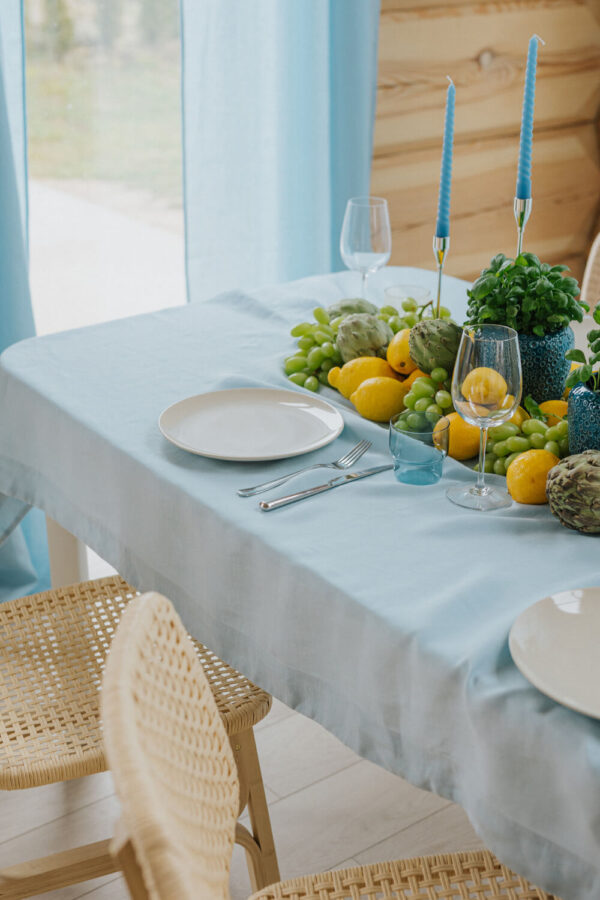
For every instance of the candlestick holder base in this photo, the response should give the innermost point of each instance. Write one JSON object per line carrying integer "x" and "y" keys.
{"x": 441, "y": 245}
{"x": 522, "y": 210}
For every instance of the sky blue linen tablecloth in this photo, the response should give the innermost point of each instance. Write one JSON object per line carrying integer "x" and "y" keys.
{"x": 382, "y": 610}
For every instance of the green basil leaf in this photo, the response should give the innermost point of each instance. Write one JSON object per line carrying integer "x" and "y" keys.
{"x": 593, "y": 335}
{"x": 594, "y": 359}
{"x": 575, "y": 356}
{"x": 595, "y": 345}
{"x": 574, "y": 377}
{"x": 533, "y": 409}
{"x": 596, "y": 314}
{"x": 560, "y": 269}
{"x": 539, "y": 330}
{"x": 586, "y": 372}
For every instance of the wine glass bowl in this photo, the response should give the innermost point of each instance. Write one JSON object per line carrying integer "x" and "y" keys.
{"x": 366, "y": 238}
{"x": 486, "y": 390}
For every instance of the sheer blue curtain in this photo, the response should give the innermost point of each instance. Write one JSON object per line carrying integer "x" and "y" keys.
{"x": 23, "y": 555}
{"x": 278, "y": 108}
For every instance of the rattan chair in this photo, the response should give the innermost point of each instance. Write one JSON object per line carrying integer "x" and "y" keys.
{"x": 590, "y": 286}
{"x": 53, "y": 647}
{"x": 176, "y": 780}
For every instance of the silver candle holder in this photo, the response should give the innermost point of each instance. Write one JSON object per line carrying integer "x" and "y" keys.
{"x": 522, "y": 209}
{"x": 441, "y": 245}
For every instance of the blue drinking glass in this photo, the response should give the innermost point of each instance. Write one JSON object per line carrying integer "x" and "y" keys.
{"x": 418, "y": 455}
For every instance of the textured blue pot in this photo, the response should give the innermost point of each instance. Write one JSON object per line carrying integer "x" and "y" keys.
{"x": 545, "y": 368}
{"x": 584, "y": 419}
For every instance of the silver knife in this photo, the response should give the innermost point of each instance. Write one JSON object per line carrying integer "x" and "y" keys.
{"x": 267, "y": 505}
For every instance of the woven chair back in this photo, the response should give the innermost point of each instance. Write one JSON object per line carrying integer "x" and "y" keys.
{"x": 170, "y": 757}
{"x": 590, "y": 286}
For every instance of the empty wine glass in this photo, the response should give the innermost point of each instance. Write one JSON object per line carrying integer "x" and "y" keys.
{"x": 486, "y": 389}
{"x": 366, "y": 239}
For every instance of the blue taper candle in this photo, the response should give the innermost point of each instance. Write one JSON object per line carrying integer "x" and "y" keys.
{"x": 524, "y": 172}
{"x": 442, "y": 228}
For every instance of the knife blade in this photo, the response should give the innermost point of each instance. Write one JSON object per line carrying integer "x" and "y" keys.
{"x": 267, "y": 505}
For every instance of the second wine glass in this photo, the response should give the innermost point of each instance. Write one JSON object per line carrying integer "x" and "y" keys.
{"x": 366, "y": 239}
{"x": 486, "y": 390}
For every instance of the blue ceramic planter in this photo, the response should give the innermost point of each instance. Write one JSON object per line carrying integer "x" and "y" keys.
{"x": 544, "y": 365}
{"x": 584, "y": 419}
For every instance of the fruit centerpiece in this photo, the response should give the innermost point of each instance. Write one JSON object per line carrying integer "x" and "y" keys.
{"x": 539, "y": 302}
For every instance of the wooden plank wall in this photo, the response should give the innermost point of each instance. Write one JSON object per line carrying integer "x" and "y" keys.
{"x": 483, "y": 46}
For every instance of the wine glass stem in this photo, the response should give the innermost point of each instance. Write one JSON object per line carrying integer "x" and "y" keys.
{"x": 480, "y": 487}
{"x": 365, "y": 275}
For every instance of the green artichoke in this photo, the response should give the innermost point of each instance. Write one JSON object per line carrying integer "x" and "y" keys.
{"x": 362, "y": 335}
{"x": 350, "y": 306}
{"x": 573, "y": 489}
{"x": 433, "y": 343}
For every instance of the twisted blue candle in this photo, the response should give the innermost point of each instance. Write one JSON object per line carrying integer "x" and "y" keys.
{"x": 524, "y": 172}
{"x": 442, "y": 228}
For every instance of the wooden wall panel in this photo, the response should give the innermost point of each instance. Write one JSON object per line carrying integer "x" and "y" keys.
{"x": 483, "y": 46}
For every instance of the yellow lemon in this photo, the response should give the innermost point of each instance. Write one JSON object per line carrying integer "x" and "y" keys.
{"x": 520, "y": 414}
{"x": 485, "y": 387}
{"x": 463, "y": 439}
{"x": 554, "y": 410}
{"x": 398, "y": 355}
{"x": 348, "y": 378}
{"x": 526, "y": 476}
{"x": 379, "y": 398}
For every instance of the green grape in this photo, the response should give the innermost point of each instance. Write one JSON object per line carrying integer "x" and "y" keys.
{"x": 518, "y": 444}
{"x": 552, "y": 447}
{"x": 553, "y": 434}
{"x": 445, "y": 312}
{"x": 298, "y": 378}
{"x": 301, "y": 329}
{"x": 389, "y": 311}
{"x": 501, "y": 448}
{"x": 534, "y": 426}
{"x": 315, "y": 358}
{"x": 422, "y": 404}
{"x": 401, "y": 425}
{"x": 502, "y": 432}
{"x": 306, "y": 343}
{"x": 409, "y": 305}
{"x": 321, "y": 315}
{"x": 417, "y": 421}
{"x": 337, "y": 358}
{"x": 294, "y": 364}
{"x": 489, "y": 447}
{"x": 410, "y": 400}
{"x": 327, "y": 365}
{"x": 425, "y": 382}
{"x": 562, "y": 428}
{"x": 443, "y": 399}
{"x": 382, "y": 317}
{"x": 322, "y": 376}
{"x": 438, "y": 374}
{"x": 410, "y": 320}
{"x": 509, "y": 459}
{"x": 500, "y": 467}
{"x": 488, "y": 465}
{"x": 321, "y": 337}
{"x": 335, "y": 323}
{"x": 396, "y": 324}
{"x": 433, "y": 413}
{"x": 537, "y": 440}
{"x": 563, "y": 446}
{"x": 327, "y": 349}
{"x": 312, "y": 383}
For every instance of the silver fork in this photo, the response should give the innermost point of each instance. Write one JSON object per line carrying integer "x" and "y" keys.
{"x": 344, "y": 462}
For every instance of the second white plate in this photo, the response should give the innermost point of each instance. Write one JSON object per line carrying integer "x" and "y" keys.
{"x": 555, "y": 643}
{"x": 251, "y": 424}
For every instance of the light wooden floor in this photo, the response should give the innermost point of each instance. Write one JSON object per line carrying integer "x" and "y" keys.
{"x": 329, "y": 809}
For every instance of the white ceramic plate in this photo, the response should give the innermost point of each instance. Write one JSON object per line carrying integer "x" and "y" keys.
{"x": 251, "y": 424}
{"x": 556, "y": 645}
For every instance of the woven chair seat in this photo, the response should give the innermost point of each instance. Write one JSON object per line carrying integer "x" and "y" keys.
{"x": 456, "y": 876}
{"x": 53, "y": 648}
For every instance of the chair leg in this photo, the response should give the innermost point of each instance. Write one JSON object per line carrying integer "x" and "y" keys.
{"x": 57, "y": 871}
{"x": 263, "y": 866}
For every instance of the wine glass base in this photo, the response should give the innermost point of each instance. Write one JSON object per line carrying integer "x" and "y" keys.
{"x": 478, "y": 498}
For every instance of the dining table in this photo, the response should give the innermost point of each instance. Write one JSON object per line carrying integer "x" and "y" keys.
{"x": 381, "y": 610}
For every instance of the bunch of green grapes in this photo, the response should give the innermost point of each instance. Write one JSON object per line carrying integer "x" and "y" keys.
{"x": 411, "y": 314}
{"x": 427, "y": 401}
{"x": 506, "y": 442}
{"x": 316, "y": 353}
